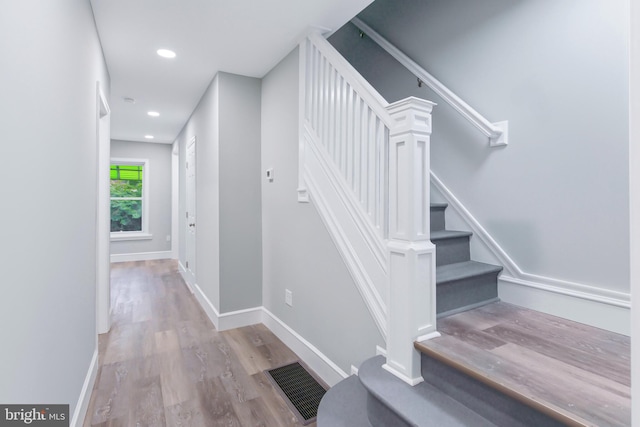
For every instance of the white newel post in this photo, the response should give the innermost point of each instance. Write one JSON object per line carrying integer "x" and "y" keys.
{"x": 412, "y": 258}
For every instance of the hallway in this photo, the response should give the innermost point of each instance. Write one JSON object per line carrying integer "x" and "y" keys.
{"x": 164, "y": 364}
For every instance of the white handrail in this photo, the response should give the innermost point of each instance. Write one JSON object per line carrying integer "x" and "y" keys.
{"x": 496, "y": 132}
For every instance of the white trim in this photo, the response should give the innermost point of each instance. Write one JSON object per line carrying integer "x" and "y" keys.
{"x": 175, "y": 199}
{"x": 399, "y": 373}
{"x": 326, "y": 369}
{"x": 207, "y": 305}
{"x": 513, "y": 275}
{"x": 141, "y": 256}
{"x": 322, "y": 365}
{"x": 146, "y": 173}
{"x": 634, "y": 201}
{"x": 239, "y": 318}
{"x": 370, "y": 233}
{"x": 496, "y": 132}
{"x": 185, "y": 276}
{"x": 80, "y": 411}
{"x": 360, "y": 85}
{"x": 103, "y": 212}
{"x": 380, "y": 351}
{"x": 566, "y": 305}
{"x": 118, "y": 236}
{"x": 229, "y": 320}
{"x": 363, "y": 280}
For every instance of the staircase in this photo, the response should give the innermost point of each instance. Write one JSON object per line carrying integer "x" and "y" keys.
{"x": 377, "y": 398}
{"x": 494, "y": 365}
{"x": 461, "y": 284}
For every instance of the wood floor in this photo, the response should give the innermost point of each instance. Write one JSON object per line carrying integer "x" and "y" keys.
{"x": 164, "y": 364}
{"x": 577, "y": 371}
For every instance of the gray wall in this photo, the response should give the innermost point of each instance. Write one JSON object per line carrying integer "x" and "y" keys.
{"x": 226, "y": 124}
{"x": 298, "y": 253}
{"x": 556, "y": 199}
{"x": 203, "y": 124}
{"x": 159, "y": 187}
{"x": 240, "y": 216}
{"x": 51, "y": 60}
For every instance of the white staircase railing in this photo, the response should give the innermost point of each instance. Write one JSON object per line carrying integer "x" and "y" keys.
{"x": 496, "y": 132}
{"x": 365, "y": 164}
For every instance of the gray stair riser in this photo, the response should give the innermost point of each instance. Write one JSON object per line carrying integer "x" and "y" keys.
{"x": 493, "y": 405}
{"x": 469, "y": 291}
{"x": 437, "y": 218}
{"x": 380, "y": 415}
{"x": 452, "y": 250}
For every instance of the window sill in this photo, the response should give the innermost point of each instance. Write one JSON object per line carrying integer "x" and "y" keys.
{"x": 136, "y": 235}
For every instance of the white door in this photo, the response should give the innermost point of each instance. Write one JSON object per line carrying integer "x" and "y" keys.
{"x": 190, "y": 252}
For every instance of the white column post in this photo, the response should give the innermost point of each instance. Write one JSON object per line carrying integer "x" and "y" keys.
{"x": 412, "y": 270}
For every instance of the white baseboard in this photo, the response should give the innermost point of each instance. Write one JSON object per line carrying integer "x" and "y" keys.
{"x": 326, "y": 369}
{"x": 230, "y": 320}
{"x": 141, "y": 256}
{"x": 185, "y": 276}
{"x": 240, "y": 318}
{"x": 569, "y": 305}
{"x": 82, "y": 406}
{"x": 207, "y": 305}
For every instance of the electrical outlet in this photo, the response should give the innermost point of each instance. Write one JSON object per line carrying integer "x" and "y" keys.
{"x": 288, "y": 297}
{"x": 168, "y": 238}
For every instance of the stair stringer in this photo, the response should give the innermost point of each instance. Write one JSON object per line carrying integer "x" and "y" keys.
{"x": 350, "y": 227}
{"x": 609, "y": 304}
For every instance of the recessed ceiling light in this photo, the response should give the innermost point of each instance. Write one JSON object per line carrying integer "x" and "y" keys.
{"x": 166, "y": 53}
{"x": 153, "y": 113}
{"x": 148, "y": 136}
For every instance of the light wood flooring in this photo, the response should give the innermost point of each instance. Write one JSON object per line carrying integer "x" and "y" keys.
{"x": 578, "y": 372}
{"x": 164, "y": 364}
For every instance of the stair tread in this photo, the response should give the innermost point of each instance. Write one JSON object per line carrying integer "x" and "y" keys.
{"x": 439, "y": 205}
{"x": 462, "y": 270}
{"x": 344, "y": 405}
{"x": 419, "y": 405}
{"x": 448, "y": 234}
{"x": 572, "y": 372}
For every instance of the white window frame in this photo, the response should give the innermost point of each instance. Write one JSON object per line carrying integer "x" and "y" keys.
{"x": 144, "y": 234}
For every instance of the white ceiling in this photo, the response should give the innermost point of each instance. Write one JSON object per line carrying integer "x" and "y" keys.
{"x": 246, "y": 37}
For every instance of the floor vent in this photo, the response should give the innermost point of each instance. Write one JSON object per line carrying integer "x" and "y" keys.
{"x": 300, "y": 390}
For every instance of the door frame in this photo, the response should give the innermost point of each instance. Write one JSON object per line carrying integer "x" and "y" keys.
{"x": 190, "y": 271}
{"x": 103, "y": 213}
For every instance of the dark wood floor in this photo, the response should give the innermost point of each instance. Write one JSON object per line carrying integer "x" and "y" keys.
{"x": 164, "y": 364}
{"x": 576, "y": 370}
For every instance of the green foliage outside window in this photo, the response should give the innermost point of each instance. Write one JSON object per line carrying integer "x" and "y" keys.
{"x": 126, "y": 197}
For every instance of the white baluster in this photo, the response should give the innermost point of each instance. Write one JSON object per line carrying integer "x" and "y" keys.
{"x": 357, "y": 151}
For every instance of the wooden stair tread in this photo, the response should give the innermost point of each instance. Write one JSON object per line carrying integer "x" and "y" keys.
{"x": 574, "y": 373}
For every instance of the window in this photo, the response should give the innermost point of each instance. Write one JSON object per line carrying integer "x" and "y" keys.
{"x": 129, "y": 199}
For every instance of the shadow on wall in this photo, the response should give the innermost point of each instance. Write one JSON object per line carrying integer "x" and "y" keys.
{"x": 469, "y": 21}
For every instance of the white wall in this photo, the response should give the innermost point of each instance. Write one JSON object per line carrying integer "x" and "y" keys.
{"x": 298, "y": 253}
{"x": 159, "y": 187}
{"x": 51, "y": 60}
{"x": 556, "y": 199}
